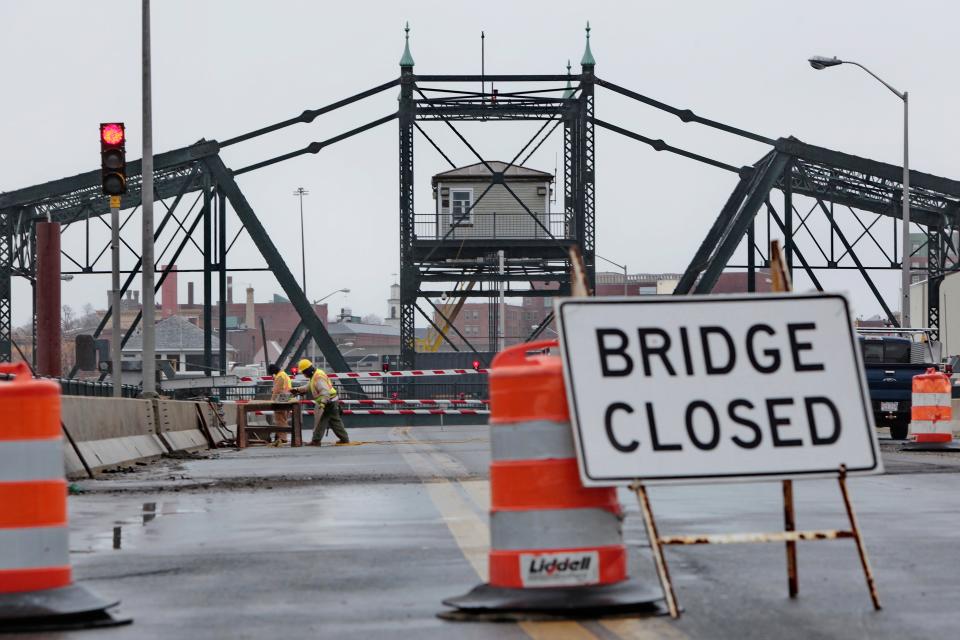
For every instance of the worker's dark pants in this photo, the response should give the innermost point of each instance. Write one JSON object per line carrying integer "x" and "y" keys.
{"x": 328, "y": 416}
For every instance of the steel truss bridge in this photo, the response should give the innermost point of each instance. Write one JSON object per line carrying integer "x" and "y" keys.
{"x": 834, "y": 210}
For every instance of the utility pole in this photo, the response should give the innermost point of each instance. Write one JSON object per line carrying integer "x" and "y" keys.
{"x": 146, "y": 199}
{"x": 300, "y": 192}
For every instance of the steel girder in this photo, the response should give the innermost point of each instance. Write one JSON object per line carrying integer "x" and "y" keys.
{"x": 409, "y": 282}
{"x": 793, "y": 167}
{"x": 68, "y": 199}
{"x": 6, "y": 266}
{"x": 831, "y": 179}
{"x": 63, "y": 199}
{"x": 453, "y": 259}
{"x": 230, "y": 191}
{"x": 178, "y": 172}
{"x": 869, "y": 185}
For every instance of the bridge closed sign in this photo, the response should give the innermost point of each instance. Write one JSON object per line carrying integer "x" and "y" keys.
{"x": 670, "y": 388}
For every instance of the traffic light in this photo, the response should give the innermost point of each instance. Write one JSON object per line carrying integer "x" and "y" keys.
{"x": 113, "y": 158}
{"x": 385, "y": 367}
{"x": 476, "y": 365}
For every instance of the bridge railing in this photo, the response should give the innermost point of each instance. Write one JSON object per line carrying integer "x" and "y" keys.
{"x": 469, "y": 387}
{"x": 491, "y": 226}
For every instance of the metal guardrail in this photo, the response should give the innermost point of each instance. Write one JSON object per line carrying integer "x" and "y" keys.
{"x": 259, "y": 391}
{"x": 504, "y": 226}
{"x": 472, "y": 387}
{"x": 93, "y": 388}
{"x": 88, "y": 388}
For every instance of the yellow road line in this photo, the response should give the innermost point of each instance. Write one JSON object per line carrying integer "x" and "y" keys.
{"x": 479, "y": 492}
{"x": 643, "y": 629}
{"x": 558, "y": 630}
{"x": 469, "y": 531}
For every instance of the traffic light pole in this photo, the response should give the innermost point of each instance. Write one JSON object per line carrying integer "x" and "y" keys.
{"x": 116, "y": 373}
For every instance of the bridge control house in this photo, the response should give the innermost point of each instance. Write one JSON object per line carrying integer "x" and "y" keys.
{"x": 468, "y": 206}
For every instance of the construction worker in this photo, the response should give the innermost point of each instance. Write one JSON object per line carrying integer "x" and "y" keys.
{"x": 324, "y": 395}
{"x": 280, "y": 393}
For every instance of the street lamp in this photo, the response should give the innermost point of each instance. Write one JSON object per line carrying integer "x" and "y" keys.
{"x": 300, "y": 192}
{"x": 365, "y": 356}
{"x": 822, "y": 62}
{"x": 622, "y": 266}
{"x": 330, "y": 294}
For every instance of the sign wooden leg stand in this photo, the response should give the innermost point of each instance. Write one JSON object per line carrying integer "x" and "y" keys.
{"x": 861, "y": 549}
{"x": 790, "y": 524}
{"x": 790, "y": 536}
{"x": 662, "y": 571}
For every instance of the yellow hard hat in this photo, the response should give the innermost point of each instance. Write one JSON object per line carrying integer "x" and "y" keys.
{"x": 304, "y": 364}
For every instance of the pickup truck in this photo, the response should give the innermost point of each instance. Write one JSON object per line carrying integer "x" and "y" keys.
{"x": 890, "y": 380}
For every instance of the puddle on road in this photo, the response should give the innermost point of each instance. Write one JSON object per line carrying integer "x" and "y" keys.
{"x": 126, "y": 533}
{"x": 149, "y": 511}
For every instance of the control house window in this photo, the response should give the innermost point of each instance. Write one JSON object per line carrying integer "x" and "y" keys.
{"x": 460, "y": 202}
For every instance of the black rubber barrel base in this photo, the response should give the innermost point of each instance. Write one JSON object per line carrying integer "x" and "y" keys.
{"x": 931, "y": 446}
{"x": 66, "y": 608}
{"x": 485, "y": 602}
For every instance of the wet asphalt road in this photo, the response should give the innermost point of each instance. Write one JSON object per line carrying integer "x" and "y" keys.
{"x": 365, "y": 541}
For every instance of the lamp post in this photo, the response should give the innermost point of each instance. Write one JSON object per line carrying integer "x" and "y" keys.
{"x": 300, "y": 192}
{"x": 148, "y": 312}
{"x": 621, "y": 266}
{"x": 365, "y": 356}
{"x": 330, "y": 294}
{"x": 822, "y": 62}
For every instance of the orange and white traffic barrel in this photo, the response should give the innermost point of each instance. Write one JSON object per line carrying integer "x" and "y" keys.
{"x": 931, "y": 412}
{"x": 36, "y": 585}
{"x": 555, "y": 545}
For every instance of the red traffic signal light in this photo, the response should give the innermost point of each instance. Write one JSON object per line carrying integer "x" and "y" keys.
{"x": 113, "y": 158}
{"x": 113, "y": 133}
{"x": 476, "y": 365}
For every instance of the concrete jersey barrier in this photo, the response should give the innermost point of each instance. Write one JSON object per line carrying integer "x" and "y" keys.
{"x": 179, "y": 425}
{"x": 108, "y": 432}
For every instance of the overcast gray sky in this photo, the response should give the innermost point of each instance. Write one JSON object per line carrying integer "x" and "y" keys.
{"x": 222, "y": 68}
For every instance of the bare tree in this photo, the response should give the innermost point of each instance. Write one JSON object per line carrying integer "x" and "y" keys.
{"x": 68, "y": 318}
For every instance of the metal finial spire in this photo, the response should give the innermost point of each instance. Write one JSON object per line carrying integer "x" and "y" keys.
{"x": 587, "y": 59}
{"x": 569, "y": 92}
{"x": 407, "y": 59}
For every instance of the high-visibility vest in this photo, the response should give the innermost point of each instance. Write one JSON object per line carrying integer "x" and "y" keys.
{"x": 281, "y": 383}
{"x": 321, "y": 388}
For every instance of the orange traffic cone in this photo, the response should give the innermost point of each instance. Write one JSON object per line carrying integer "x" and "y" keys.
{"x": 931, "y": 413}
{"x": 36, "y": 587}
{"x": 556, "y": 546}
